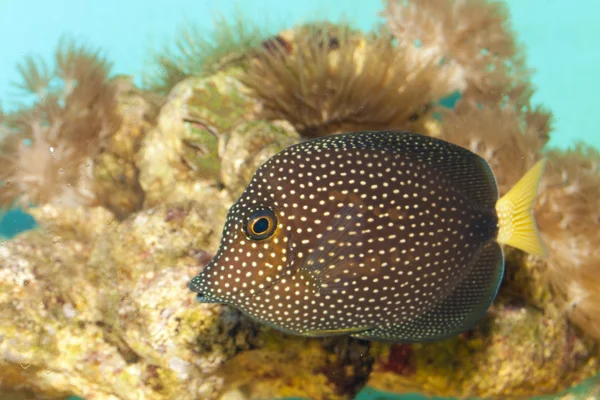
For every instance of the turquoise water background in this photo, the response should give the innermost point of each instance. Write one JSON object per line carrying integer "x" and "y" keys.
{"x": 559, "y": 35}
{"x": 560, "y": 38}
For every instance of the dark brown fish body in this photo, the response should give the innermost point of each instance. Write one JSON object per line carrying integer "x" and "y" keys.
{"x": 382, "y": 235}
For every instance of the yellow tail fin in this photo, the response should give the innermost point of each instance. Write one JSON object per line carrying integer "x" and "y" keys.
{"x": 515, "y": 217}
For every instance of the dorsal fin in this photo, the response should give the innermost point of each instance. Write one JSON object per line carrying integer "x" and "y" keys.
{"x": 469, "y": 173}
{"x": 462, "y": 169}
{"x": 472, "y": 177}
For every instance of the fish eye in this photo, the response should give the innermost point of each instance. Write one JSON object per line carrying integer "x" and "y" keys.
{"x": 261, "y": 225}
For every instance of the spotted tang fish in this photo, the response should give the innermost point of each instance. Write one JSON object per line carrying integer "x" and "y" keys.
{"x": 389, "y": 236}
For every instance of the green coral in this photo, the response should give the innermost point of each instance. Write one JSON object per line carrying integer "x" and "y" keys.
{"x": 180, "y": 157}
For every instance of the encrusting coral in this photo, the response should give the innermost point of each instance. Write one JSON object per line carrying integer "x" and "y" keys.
{"x": 97, "y": 295}
{"x": 248, "y": 146}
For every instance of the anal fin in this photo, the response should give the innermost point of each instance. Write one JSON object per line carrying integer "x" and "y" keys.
{"x": 338, "y": 332}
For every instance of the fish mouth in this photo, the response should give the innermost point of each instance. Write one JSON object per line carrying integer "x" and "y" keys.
{"x": 193, "y": 286}
{"x": 201, "y": 298}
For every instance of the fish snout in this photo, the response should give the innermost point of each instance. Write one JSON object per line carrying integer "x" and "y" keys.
{"x": 202, "y": 295}
{"x": 195, "y": 285}
{"x": 204, "y": 299}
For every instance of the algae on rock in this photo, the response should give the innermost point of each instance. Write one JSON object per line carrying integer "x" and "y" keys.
{"x": 53, "y": 344}
{"x": 179, "y": 158}
{"x": 518, "y": 351}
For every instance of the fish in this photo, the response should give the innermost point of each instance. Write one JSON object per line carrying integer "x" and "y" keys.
{"x": 380, "y": 235}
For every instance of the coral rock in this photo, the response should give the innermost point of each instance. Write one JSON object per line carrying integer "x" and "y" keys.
{"x": 170, "y": 236}
{"x": 179, "y": 344}
{"x": 53, "y": 344}
{"x": 179, "y": 157}
{"x": 287, "y": 366}
{"x": 115, "y": 174}
{"x": 101, "y": 309}
{"x": 517, "y": 351}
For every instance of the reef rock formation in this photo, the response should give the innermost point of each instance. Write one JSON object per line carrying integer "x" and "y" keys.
{"x": 179, "y": 158}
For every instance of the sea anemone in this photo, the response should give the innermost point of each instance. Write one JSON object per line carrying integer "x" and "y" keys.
{"x": 48, "y": 155}
{"x": 568, "y": 215}
{"x": 469, "y": 40}
{"x": 326, "y": 79}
